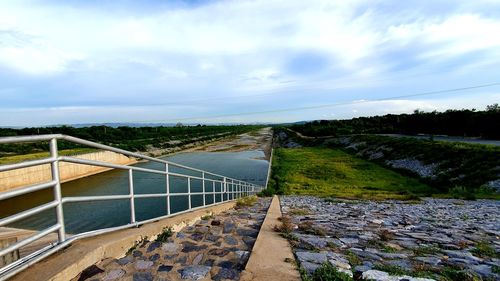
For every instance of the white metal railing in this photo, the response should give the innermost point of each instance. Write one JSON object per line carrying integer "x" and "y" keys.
{"x": 230, "y": 189}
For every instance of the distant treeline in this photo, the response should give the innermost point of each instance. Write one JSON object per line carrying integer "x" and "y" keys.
{"x": 129, "y": 138}
{"x": 465, "y": 122}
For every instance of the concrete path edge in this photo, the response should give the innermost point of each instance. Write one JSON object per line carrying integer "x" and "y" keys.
{"x": 267, "y": 259}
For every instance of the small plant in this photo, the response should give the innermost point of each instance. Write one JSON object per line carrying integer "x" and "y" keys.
{"x": 246, "y": 201}
{"x": 165, "y": 234}
{"x": 327, "y": 272}
{"x": 485, "y": 250}
{"x": 136, "y": 244}
{"x": 386, "y": 235}
{"x": 495, "y": 269}
{"x": 208, "y": 216}
{"x": 389, "y": 249}
{"x": 460, "y": 192}
{"x": 353, "y": 258}
{"x": 426, "y": 250}
{"x": 309, "y": 228}
{"x": 286, "y": 226}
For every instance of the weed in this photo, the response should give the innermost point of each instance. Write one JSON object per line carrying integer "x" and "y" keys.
{"x": 136, "y": 244}
{"x": 353, "y": 258}
{"x": 286, "y": 226}
{"x": 386, "y": 235}
{"x": 246, "y": 201}
{"x": 208, "y": 216}
{"x": 309, "y": 228}
{"x": 485, "y": 250}
{"x": 327, "y": 272}
{"x": 164, "y": 234}
{"x": 389, "y": 249}
{"x": 495, "y": 269}
{"x": 426, "y": 250}
{"x": 451, "y": 273}
{"x": 460, "y": 192}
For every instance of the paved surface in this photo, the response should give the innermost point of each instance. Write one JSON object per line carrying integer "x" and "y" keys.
{"x": 391, "y": 240}
{"x": 269, "y": 255}
{"x": 214, "y": 248}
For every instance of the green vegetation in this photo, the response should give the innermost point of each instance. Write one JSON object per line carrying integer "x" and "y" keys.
{"x": 136, "y": 244}
{"x": 426, "y": 250}
{"x": 164, "y": 234}
{"x": 327, "y": 272}
{"x": 128, "y": 138}
{"x": 208, "y": 216}
{"x": 485, "y": 250}
{"x": 40, "y": 155}
{"x": 246, "y": 201}
{"x": 333, "y": 172}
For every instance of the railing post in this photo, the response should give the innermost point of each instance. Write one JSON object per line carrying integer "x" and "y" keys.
{"x": 57, "y": 189}
{"x": 167, "y": 183}
{"x": 132, "y": 198}
{"x": 203, "y": 185}
{"x": 189, "y": 192}
{"x": 225, "y": 190}
{"x": 213, "y": 190}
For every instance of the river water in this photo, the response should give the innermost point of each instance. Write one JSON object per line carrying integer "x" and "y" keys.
{"x": 86, "y": 216}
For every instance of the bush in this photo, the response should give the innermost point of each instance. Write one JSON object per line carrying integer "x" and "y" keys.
{"x": 165, "y": 234}
{"x": 327, "y": 272}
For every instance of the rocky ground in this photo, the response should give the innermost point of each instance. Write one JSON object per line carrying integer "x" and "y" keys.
{"x": 435, "y": 239}
{"x": 215, "y": 248}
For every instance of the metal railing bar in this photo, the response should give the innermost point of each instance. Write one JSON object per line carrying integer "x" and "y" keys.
{"x": 125, "y": 152}
{"x": 5, "y": 140}
{"x": 124, "y": 167}
{"x": 96, "y": 198}
{"x": 26, "y": 164}
{"x": 29, "y": 240}
{"x": 27, "y": 213}
{"x": 26, "y": 189}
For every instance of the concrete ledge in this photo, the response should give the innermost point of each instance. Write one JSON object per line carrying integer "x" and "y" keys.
{"x": 68, "y": 263}
{"x": 267, "y": 260}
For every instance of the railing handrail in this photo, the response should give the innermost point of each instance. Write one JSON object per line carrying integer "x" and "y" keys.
{"x": 230, "y": 189}
{"x": 36, "y": 138}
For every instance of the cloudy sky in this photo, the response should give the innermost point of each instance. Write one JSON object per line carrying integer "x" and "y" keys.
{"x": 82, "y": 61}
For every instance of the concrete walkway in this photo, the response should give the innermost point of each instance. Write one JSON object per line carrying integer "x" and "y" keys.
{"x": 267, "y": 260}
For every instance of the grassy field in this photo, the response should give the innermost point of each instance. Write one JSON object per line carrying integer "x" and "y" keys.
{"x": 333, "y": 172}
{"x": 40, "y": 155}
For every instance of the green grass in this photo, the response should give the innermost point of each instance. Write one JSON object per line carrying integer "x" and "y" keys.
{"x": 332, "y": 172}
{"x": 463, "y": 168}
{"x": 40, "y": 155}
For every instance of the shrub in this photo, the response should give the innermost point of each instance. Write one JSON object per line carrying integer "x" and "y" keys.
{"x": 165, "y": 234}
{"x": 327, "y": 272}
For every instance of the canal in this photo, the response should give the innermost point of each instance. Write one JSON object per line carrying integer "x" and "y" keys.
{"x": 85, "y": 216}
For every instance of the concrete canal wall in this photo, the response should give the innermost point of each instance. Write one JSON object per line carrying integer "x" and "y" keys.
{"x": 68, "y": 171}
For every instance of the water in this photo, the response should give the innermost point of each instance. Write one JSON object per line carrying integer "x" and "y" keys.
{"x": 86, "y": 216}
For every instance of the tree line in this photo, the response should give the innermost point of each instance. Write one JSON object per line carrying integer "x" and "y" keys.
{"x": 464, "y": 122}
{"x": 129, "y": 138}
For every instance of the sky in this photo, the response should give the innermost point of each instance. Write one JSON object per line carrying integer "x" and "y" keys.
{"x": 93, "y": 61}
